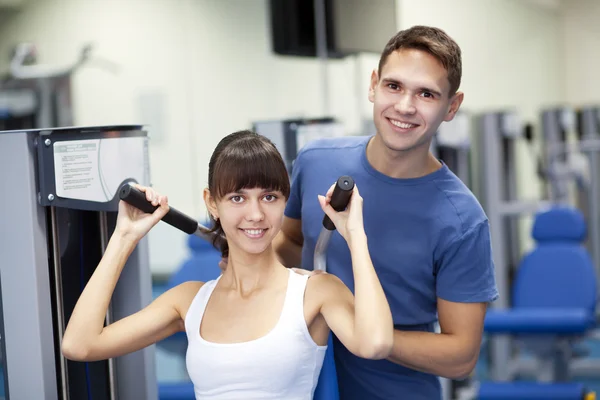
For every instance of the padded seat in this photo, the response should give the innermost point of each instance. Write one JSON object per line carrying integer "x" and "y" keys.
{"x": 553, "y": 306}
{"x": 532, "y": 391}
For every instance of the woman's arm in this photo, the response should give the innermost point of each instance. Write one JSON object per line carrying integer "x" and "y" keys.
{"x": 364, "y": 323}
{"x": 86, "y": 338}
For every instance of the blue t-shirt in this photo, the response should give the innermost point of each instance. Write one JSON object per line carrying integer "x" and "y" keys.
{"x": 428, "y": 238}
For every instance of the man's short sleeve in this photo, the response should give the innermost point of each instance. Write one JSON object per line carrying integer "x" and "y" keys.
{"x": 465, "y": 271}
{"x": 293, "y": 208}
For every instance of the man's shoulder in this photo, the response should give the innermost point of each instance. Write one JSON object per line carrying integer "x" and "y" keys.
{"x": 458, "y": 204}
{"x": 325, "y": 146}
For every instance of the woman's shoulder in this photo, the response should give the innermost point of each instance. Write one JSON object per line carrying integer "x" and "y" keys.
{"x": 184, "y": 294}
{"x": 189, "y": 287}
{"x": 321, "y": 286}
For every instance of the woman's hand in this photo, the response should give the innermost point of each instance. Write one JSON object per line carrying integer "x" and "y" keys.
{"x": 134, "y": 224}
{"x": 349, "y": 223}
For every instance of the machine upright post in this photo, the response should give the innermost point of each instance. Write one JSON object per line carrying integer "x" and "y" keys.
{"x": 491, "y": 144}
{"x": 590, "y": 126}
{"x": 58, "y": 298}
{"x": 112, "y": 376}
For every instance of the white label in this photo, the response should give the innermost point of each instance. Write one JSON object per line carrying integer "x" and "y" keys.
{"x": 94, "y": 169}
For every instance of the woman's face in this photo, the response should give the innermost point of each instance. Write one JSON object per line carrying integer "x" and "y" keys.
{"x": 250, "y": 218}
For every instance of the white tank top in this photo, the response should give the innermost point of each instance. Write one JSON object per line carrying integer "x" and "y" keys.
{"x": 283, "y": 364}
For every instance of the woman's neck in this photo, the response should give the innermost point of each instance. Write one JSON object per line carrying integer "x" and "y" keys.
{"x": 246, "y": 273}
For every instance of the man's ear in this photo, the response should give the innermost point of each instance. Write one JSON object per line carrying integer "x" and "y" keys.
{"x": 211, "y": 204}
{"x": 373, "y": 85}
{"x": 455, "y": 103}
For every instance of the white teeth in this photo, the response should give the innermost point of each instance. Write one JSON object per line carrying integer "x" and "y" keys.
{"x": 402, "y": 124}
{"x": 253, "y": 231}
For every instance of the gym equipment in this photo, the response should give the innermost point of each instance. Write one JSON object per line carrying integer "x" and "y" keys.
{"x": 327, "y": 385}
{"x": 203, "y": 264}
{"x": 57, "y": 216}
{"x": 339, "y": 200}
{"x": 572, "y": 164}
{"x": 289, "y": 136}
{"x": 48, "y": 87}
{"x": 553, "y": 308}
{"x": 17, "y": 109}
{"x": 535, "y": 391}
{"x": 452, "y": 144}
{"x": 588, "y": 129}
{"x": 498, "y": 133}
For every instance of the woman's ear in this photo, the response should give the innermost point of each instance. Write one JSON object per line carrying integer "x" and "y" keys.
{"x": 211, "y": 204}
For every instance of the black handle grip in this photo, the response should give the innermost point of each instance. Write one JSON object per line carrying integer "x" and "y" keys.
{"x": 137, "y": 198}
{"x": 339, "y": 198}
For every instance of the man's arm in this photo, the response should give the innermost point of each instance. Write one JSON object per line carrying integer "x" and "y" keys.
{"x": 452, "y": 353}
{"x": 288, "y": 242}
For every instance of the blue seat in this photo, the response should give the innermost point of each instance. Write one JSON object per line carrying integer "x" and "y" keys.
{"x": 176, "y": 391}
{"x": 553, "y": 303}
{"x": 203, "y": 264}
{"x": 532, "y": 391}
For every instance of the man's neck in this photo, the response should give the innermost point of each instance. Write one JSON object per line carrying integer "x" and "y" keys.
{"x": 413, "y": 163}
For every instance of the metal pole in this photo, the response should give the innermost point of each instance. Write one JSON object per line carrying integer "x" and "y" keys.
{"x": 591, "y": 131}
{"x": 112, "y": 376}
{"x": 463, "y": 167}
{"x": 44, "y": 115}
{"x": 58, "y": 294}
{"x": 491, "y": 141}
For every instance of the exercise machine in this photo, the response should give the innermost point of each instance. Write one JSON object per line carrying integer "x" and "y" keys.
{"x": 553, "y": 309}
{"x": 498, "y": 133}
{"x": 38, "y": 95}
{"x": 452, "y": 144}
{"x": 58, "y": 212}
{"x": 17, "y": 109}
{"x": 291, "y": 135}
{"x": 547, "y": 304}
{"x": 572, "y": 164}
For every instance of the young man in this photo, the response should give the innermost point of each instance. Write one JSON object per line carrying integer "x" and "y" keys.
{"x": 428, "y": 235}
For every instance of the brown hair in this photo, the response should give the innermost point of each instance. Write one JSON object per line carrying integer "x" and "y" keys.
{"x": 433, "y": 41}
{"x": 244, "y": 160}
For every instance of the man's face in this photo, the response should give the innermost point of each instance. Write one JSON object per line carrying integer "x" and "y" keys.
{"x": 411, "y": 99}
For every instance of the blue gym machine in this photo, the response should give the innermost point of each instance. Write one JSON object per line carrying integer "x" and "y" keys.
{"x": 549, "y": 308}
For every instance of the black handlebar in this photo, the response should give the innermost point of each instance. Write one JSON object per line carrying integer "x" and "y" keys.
{"x": 175, "y": 218}
{"x": 339, "y": 198}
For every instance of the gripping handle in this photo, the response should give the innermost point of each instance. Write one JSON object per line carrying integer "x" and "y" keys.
{"x": 339, "y": 198}
{"x": 137, "y": 198}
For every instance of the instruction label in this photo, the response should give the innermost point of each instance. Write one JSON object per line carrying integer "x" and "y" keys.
{"x": 75, "y": 165}
{"x": 94, "y": 169}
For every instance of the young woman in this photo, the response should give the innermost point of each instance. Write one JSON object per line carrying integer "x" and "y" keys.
{"x": 259, "y": 331}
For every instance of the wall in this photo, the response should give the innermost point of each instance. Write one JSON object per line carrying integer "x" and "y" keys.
{"x": 582, "y": 55}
